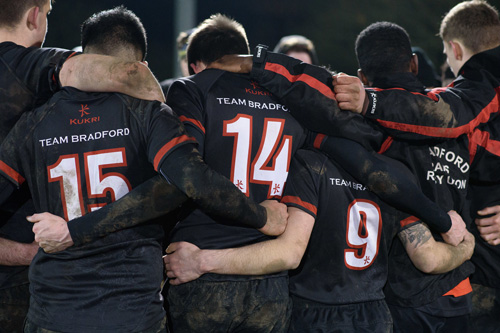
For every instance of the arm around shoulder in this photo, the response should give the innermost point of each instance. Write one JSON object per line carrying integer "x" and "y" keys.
{"x": 101, "y": 73}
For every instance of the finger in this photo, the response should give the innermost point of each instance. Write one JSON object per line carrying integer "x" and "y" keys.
{"x": 33, "y": 218}
{"x": 171, "y": 275}
{"x": 494, "y": 242}
{"x": 489, "y": 210}
{"x": 174, "y": 282}
{"x": 484, "y": 222}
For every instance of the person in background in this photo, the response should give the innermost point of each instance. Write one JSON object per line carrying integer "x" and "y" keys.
{"x": 181, "y": 44}
{"x": 298, "y": 47}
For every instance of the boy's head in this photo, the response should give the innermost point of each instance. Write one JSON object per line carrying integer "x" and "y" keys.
{"x": 116, "y": 32}
{"x": 469, "y": 28}
{"x": 26, "y": 17}
{"x": 215, "y": 37}
{"x": 383, "y": 48}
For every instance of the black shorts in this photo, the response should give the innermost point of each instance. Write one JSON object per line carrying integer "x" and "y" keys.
{"x": 14, "y": 304}
{"x": 373, "y": 316}
{"x": 159, "y": 327}
{"x": 261, "y": 305}
{"x": 485, "y": 309}
{"x": 414, "y": 320}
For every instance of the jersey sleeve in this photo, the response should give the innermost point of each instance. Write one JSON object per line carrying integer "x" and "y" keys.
{"x": 38, "y": 69}
{"x": 388, "y": 179}
{"x": 440, "y": 113}
{"x": 11, "y": 166}
{"x": 164, "y": 133}
{"x": 306, "y": 90}
{"x": 185, "y": 99}
{"x": 303, "y": 183}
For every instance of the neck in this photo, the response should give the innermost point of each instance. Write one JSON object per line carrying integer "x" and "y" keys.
{"x": 15, "y": 36}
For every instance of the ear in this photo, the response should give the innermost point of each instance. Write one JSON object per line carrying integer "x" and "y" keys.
{"x": 458, "y": 51}
{"x": 192, "y": 69}
{"x": 32, "y": 18}
{"x": 414, "y": 64}
{"x": 363, "y": 77}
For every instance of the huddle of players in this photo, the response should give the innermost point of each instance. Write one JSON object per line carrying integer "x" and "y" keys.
{"x": 345, "y": 263}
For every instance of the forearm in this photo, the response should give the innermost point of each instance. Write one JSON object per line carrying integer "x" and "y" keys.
{"x": 92, "y": 72}
{"x": 152, "y": 199}
{"x": 212, "y": 192}
{"x": 387, "y": 180}
{"x": 431, "y": 256}
{"x": 306, "y": 91}
{"x": 256, "y": 259}
{"x": 16, "y": 254}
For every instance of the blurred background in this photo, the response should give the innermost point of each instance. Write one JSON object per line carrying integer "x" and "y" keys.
{"x": 332, "y": 25}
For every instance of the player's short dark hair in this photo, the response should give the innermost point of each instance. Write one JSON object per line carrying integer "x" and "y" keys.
{"x": 114, "y": 28}
{"x": 383, "y": 48}
{"x": 215, "y": 37}
{"x": 474, "y": 23}
{"x": 12, "y": 11}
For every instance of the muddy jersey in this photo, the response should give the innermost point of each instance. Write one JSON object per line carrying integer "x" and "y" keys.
{"x": 347, "y": 256}
{"x": 25, "y": 82}
{"x": 77, "y": 153}
{"x": 245, "y": 134}
{"x": 470, "y": 105}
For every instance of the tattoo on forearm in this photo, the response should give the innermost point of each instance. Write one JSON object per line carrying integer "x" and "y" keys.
{"x": 416, "y": 235}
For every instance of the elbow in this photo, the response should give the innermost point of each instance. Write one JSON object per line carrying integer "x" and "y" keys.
{"x": 427, "y": 262}
{"x": 293, "y": 259}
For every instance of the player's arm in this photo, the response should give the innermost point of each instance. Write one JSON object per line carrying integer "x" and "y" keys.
{"x": 185, "y": 262}
{"x": 393, "y": 184}
{"x": 431, "y": 256}
{"x": 306, "y": 91}
{"x": 439, "y": 113}
{"x": 216, "y": 195}
{"x": 15, "y": 253}
{"x": 101, "y": 73}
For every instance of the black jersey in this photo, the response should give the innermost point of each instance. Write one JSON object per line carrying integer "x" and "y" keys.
{"x": 79, "y": 152}
{"x": 245, "y": 134}
{"x": 347, "y": 256}
{"x": 25, "y": 82}
{"x": 470, "y": 105}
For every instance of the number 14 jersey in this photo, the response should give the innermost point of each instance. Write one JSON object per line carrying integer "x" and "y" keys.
{"x": 245, "y": 134}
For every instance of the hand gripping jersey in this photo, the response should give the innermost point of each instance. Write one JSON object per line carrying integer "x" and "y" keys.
{"x": 79, "y": 152}
{"x": 25, "y": 82}
{"x": 245, "y": 134}
{"x": 347, "y": 256}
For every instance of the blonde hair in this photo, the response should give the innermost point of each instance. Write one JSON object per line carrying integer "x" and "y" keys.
{"x": 474, "y": 23}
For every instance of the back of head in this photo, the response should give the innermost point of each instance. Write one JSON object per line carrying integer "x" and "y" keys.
{"x": 215, "y": 37}
{"x": 297, "y": 43}
{"x": 383, "y": 48}
{"x": 115, "y": 32}
{"x": 12, "y": 11}
{"x": 474, "y": 23}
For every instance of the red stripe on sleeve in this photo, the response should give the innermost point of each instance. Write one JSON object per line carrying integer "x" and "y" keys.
{"x": 13, "y": 174}
{"x": 318, "y": 141}
{"x": 195, "y": 122}
{"x": 298, "y": 201}
{"x": 408, "y": 221}
{"x": 168, "y": 146}
{"x": 483, "y": 139}
{"x": 387, "y": 143}
{"x": 307, "y": 79}
{"x": 482, "y": 117}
